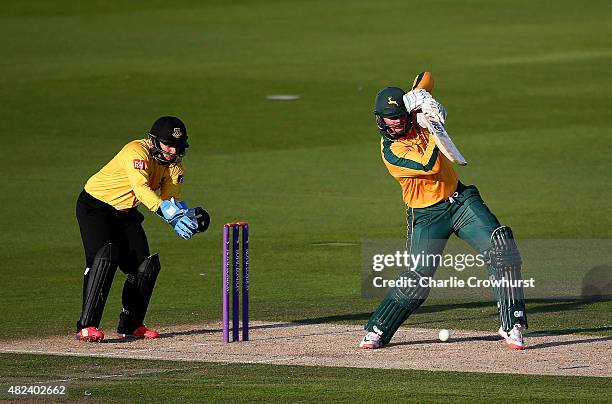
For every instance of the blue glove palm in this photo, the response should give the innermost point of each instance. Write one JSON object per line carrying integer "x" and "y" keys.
{"x": 178, "y": 217}
{"x": 190, "y": 213}
{"x": 183, "y": 227}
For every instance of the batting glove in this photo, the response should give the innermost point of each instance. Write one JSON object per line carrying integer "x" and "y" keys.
{"x": 434, "y": 110}
{"x": 414, "y": 99}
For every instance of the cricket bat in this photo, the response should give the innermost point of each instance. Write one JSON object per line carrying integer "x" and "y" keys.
{"x": 425, "y": 81}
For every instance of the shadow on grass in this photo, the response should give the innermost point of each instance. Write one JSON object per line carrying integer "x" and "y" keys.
{"x": 568, "y": 331}
{"x": 569, "y": 342}
{"x": 490, "y": 310}
{"x": 553, "y": 305}
{"x": 533, "y": 305}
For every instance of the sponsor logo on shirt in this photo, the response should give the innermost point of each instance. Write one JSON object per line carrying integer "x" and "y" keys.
{"x": 139, "y": 164}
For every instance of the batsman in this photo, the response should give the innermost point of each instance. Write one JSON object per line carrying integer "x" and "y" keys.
{"x": 419, "y": 154}
{"x": 146, "y": 171}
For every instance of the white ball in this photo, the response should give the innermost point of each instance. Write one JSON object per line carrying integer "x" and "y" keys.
{"x": 444, "y": 335}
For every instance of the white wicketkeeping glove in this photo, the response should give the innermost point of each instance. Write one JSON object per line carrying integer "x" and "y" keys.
{"x": 414, "y": 99}
{"x": 433, "y": 110}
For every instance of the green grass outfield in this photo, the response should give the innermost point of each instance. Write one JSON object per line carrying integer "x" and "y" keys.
{"x": 166, "y": 381}
{"x": 526, "y": 84}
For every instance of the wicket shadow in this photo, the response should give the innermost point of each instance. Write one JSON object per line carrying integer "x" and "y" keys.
{"x": 163, "y": 335}
{"x": 187, "y": 333}
{"x": 218, "y": 330}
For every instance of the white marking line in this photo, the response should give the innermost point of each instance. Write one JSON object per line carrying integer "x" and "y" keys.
{"x": 282, "y": 97}
{"x": 124, "y": 355}
{"x": 336, "y": 244}
{"x": 272, "y": 360}
{"x": 140, "y": 373}
{"x": 128, "y": 355}
{"x": 62, "y": 353}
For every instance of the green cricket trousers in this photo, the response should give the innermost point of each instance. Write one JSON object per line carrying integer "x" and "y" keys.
{"x": 465, "y": 214}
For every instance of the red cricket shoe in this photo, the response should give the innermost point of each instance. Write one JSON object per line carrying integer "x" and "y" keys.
{"x": 90, "y": 334}
{"x": 142, "y": 332}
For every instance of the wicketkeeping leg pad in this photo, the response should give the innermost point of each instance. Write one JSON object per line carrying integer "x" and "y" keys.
{"x": 98, "y": 282}
{"x": 137, "y": 292}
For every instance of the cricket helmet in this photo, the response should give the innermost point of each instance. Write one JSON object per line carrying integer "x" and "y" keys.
{"x": 170, "y": 131}
{"x": 389, "y": 103}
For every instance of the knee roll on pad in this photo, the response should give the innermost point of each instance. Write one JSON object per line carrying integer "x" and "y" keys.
{"x": 98, "y": 284}
{"x": 503, "y": 251}
{"x": 504, "y": 262}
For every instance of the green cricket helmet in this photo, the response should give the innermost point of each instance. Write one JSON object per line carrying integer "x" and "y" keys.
{"x": 389, "y": 103}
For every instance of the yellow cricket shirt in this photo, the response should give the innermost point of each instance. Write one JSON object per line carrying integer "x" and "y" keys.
{"x": 424, "y": 173}
{"x": 133, "y": 176}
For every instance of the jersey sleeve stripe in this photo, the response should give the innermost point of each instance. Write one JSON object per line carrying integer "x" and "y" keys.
{"x": 407, "y": 163}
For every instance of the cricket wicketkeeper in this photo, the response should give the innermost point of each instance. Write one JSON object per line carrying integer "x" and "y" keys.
{"x": 438, "y": 205}
{"x": 111, "y": 225}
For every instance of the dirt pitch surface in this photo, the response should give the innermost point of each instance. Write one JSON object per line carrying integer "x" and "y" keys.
{"x": 337, "y": 345}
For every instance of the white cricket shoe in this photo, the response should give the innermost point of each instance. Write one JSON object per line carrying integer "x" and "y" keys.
{"x": 514, "y": 338}
{"x": 371, "y": 341}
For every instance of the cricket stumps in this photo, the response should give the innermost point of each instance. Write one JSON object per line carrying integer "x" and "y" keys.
{"x": 235, "y": 261}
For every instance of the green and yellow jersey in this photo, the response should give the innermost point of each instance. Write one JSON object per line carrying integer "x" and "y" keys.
{"x": 133, "y": 176}
{"x": 424, "y": 173}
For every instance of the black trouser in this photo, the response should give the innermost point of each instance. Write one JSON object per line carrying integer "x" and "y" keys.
{"x": 101, "y": 224}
